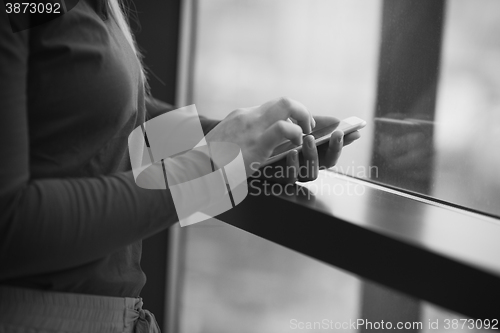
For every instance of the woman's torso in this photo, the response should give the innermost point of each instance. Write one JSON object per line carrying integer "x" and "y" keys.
{"x": 85, "y": 95}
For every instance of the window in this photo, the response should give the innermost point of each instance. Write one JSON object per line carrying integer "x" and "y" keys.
{"x": 426, "y": 77}
{"x": 467, "y": 135}
{"x": 331, "y": 56}
{"x": 324, "y": 54}
{"x": 438, "y": 104}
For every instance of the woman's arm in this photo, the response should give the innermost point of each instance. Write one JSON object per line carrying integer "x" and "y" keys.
{"x": 53, "y": 224}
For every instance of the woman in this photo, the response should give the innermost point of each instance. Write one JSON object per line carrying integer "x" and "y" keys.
{"x": 71, "y": 217}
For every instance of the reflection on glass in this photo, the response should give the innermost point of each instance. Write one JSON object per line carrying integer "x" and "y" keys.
{"x": 467, "y": 136}
{"x": 403, "y": 151}
{"x": 438, "y": 101}
{"x": 406, "y": 93}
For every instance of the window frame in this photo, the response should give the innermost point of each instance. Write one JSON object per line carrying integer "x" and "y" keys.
{"x": 405, "y": 261}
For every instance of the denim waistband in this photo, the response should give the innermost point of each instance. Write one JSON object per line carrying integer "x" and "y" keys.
{"x": 37, "y": 310}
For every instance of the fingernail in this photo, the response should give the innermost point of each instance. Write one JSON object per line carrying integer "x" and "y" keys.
{"x": 340, "y": 137}
{"x": 313, "y": 123}
{"x": 294, "y": 155}
{"x": 310, "y": 141}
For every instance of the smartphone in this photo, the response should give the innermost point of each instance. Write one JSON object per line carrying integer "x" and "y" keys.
{"x": 321, "y": 135}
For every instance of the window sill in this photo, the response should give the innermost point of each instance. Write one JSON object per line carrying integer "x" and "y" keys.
{"x": 430, "y": 251}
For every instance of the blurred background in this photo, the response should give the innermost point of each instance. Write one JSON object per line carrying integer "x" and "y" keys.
{"x": 327, "y": 55}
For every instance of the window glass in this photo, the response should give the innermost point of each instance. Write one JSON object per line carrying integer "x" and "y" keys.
{"x": 234, "y": 281}
{"x": 329, "y": 54}
{"x": 467, "y": 135}
{"x": 323, "y": 53}
{"x": 444, "y": 136}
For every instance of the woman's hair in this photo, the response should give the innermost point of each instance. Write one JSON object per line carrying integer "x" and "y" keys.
{"x": 118, "y": 11}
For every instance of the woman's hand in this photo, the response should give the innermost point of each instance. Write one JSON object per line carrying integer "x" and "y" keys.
{"x": 258, "y": 130}
{"x": 305, "y": 166}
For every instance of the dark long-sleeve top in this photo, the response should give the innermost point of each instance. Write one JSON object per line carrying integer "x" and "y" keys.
{"x": 71, "y": 216}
